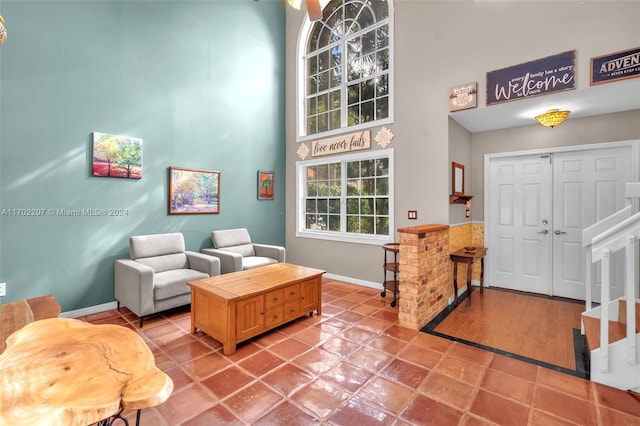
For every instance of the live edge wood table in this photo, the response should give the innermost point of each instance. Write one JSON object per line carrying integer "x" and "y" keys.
{"x": 234, "y": 307}
{"x": 61, "y": 371}
{"x": 468, "y": 258}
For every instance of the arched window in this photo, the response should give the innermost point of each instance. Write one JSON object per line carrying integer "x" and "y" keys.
{"x": 345, "y": 67}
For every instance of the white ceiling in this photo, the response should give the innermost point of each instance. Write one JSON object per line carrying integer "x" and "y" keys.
{"x": 596, "y": 100}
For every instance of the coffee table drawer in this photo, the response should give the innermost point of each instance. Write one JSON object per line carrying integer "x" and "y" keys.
{"x": 292, "y": 293}
{"x": 274, "y": 298}
{"x": 292, "y": 310}
{"x": 274, "y": 317}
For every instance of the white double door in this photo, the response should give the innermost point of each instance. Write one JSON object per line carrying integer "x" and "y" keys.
{"x": 538, "y": 206}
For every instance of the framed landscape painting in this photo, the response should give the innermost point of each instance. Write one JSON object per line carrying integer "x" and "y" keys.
{"x": 116, "y": 156}
{"x": 194, "y": 191}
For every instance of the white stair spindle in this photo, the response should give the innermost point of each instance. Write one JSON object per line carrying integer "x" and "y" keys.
{"x": 604, "y": 319}
{"x": 630, "y": 300}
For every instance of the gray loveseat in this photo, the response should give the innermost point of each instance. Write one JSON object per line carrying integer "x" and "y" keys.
{"x": 236, "y": 251}
{"x": 155, "y": 277}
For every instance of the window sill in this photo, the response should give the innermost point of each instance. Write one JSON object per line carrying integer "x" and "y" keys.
{"x": 345, "y": 238}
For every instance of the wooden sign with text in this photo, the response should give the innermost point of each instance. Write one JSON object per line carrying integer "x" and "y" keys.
{"x": 615, "y": 66}
{"x": 343, "y": 143}
{"x": 540, "y": 77}
{"x": 464, "y": 96}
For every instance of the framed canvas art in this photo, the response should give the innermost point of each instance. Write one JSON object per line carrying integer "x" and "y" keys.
{"x": 266, "y": 182}
{"x": 116, "y": 156}
{"x": 194, "y": 191}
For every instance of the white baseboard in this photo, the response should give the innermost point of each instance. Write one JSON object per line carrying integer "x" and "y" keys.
{"x": 463, "y": 289}
{"x": 89, "y": 310}
{"x": 350, "y": 280}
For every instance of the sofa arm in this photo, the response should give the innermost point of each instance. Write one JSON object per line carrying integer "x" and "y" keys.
{"x": 229, "y": 261}
{"x": 201, "y": 262}
{"x": 274, "y": 252}
{"x": 133, "y": 285}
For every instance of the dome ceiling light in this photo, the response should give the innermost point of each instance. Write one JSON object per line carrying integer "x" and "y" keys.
{"x": 552, "y": 118}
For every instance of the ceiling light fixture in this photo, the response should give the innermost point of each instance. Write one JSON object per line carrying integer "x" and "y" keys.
{"x": 552, "y": 118}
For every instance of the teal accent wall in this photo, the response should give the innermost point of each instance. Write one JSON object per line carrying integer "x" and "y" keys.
{"x": 201, "y": 82}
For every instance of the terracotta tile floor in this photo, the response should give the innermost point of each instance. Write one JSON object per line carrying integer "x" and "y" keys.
{"x": 354, "y": 365}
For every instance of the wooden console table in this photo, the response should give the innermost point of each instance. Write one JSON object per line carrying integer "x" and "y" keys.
{"x": 468, "y": 258}
{"x": 234, "y": 307}
{"x": 61, "y": 371}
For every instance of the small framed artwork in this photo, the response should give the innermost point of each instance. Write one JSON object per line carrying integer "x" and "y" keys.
{"x": 116, "y": 156}
{"x": 266, "y": 182}
{"x": 194, "y": 191}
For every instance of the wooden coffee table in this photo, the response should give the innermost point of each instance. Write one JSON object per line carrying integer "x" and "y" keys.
{"x": 234, "y": 307}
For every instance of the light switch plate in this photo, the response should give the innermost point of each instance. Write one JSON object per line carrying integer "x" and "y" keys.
{"x": 3, "y": 289}
{"x": 413, "y": 214}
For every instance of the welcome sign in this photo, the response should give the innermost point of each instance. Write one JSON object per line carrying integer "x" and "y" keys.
{"x": 615, "y": 66}
{"x": 540, "y": 77}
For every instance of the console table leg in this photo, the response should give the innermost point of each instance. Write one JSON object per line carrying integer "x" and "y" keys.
{"x": 481, "y": 275}
{"x": 469, "y": 284}
{"x": 455, "y": 282}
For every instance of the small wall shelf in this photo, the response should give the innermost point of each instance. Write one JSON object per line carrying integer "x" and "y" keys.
{"x": 459, "y": 199}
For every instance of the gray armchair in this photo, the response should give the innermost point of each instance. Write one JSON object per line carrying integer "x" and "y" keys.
{"x": 236, "y": 251}
{"x": 155, "y": 277}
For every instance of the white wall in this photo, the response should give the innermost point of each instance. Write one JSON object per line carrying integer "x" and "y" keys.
{"x": 440, "y": 44}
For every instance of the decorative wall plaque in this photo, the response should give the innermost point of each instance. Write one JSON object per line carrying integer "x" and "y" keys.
{"x": 464, "y": 96}
{"x": 615, "y": 66}
{"x": 540, "y": 77}
{"x": 343, "y": 143}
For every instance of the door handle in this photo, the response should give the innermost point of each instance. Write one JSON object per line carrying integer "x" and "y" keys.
{"x": 557, "y": 232}
{"x": 543, "y": 232}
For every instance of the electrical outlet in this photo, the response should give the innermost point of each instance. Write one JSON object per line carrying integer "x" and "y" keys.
{"x": 413, "y": 214}
{"x": 3, "y": 289}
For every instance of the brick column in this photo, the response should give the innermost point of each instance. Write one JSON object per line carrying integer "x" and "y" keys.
{"x": 424, "y": 274}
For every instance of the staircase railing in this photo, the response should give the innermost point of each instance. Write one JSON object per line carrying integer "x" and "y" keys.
{"x": 620, "y": 230}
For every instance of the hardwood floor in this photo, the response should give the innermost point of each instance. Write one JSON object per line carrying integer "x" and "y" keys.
{"x": 531, "y": 326}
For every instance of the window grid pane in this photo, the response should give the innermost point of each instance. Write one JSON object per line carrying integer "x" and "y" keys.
{"x": 354, "y": 202}
{"x": 323, "y": 196}
{"x": 361, "y": 30}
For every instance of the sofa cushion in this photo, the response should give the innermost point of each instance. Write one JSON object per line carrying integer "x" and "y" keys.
{"x": 230, "y": 237}
{"x": 255, "y": 261}
{"x": 166, "y": 263}
{"x": 243, "y": 250}
{"x": 173, "y": 283}
{"x": 156, "y": 245}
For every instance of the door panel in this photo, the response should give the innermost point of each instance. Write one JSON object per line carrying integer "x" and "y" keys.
{"x": 519, "y": 205}
{"x": 588, "y": 186}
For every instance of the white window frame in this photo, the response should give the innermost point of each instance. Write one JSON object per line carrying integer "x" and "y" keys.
{"x": 301, "y": 53}
{"x": 301, "y": 182}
